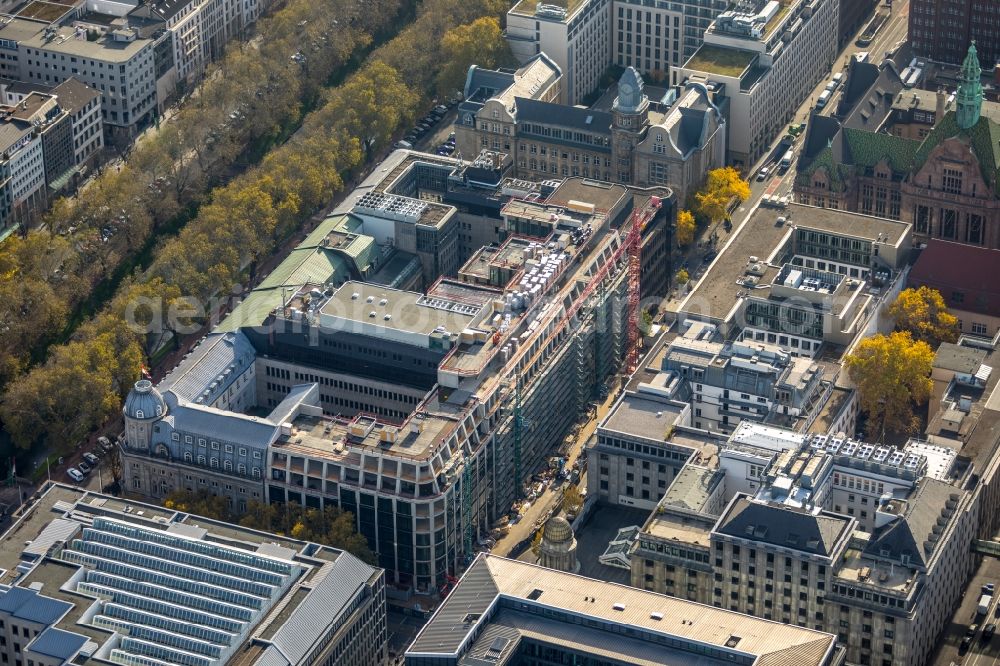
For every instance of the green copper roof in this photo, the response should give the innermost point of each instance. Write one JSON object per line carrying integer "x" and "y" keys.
{"x": 869, "y": 148}
{"x": 308, "y": 265}
{"x": 969, "y": 98}
{"x": 983, "y": 137}
{"x": 252, "y": 311}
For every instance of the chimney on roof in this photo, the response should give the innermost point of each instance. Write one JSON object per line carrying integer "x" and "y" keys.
{"x": 939, "y": 108}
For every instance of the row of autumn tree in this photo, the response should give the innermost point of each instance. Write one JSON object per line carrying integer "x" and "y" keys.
{"x": 329, "y": 527}
{"x": 892, "y": 372}
{"x": 253, "y": 95}
{"x": 712, "y": 202}
{"x": 82, "y": 382}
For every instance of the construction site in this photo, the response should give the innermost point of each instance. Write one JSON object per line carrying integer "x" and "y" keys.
{"x": 521, "y": 339}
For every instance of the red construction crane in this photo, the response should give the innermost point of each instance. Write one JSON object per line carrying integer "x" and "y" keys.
{"x": 633, "y": 245}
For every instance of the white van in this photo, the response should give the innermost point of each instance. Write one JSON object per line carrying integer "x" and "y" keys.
{"x": 786, "y": 160}
{"x": 824, "y": 97}
{"x": 838, "y": 78}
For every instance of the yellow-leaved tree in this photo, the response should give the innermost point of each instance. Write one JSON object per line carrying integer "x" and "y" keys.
{"x": 922, "y": 312}
{"x": 685, "y": 228}
{"x": 892, "y": 374}
{"x": 478, "y": 43}
{"x": 721, "y": 186}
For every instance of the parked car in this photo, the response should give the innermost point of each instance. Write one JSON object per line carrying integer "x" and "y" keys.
{"x": 93, "y": 460}
{"x": 441, "y": 108}
{"x": 762, "y": 174}
{"x": 104, "y": 442}
{"x": 963, "y": 647}
{"x": 74, "y": 474}
{"x": 988, "y": 631}
{"x": 83, "y": 467}
{"x": 406, "y": 145}
{"x": 988, "y": 588}
{"x": 971, "y": 631}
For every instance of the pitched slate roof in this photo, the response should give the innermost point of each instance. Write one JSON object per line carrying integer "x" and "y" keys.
{"x": 548, "y": 113}
{"x": 218, "y": 354}
{"x": 220, "y": 425}
{"x": 783, "y": 526}
{"x": 909, "y": 534}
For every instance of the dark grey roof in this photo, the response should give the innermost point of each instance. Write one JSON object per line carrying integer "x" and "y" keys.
{"x": 911, "y": 534}
{"x": 820, "y": 132}
{"x": 689, "y": 133}
{"x": 29, "y": 605}
{"x": 783, "y": 526}
{"x": 73, "y": 95}
{"x": 221, "y": 425}
{"x": 549, "y": 113}
{"x": 872, "y": 106}
{"x": 490, "y": 81}
{"x": 63, "y": 645}
{"x": 860, "y": 77}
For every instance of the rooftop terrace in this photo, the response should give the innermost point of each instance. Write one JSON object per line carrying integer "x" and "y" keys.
{"x": 720, "y": 60}
{"x": 530, "y": 7}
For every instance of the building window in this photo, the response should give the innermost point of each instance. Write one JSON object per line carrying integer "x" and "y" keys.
{"x": 923, "y": 219}
{"x": 978, "y": 328}
{"x": 952, "y": 181}
{"x": 974, "y": 229}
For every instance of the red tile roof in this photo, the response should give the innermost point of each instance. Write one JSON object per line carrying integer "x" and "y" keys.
{"x": 973, "y": 272}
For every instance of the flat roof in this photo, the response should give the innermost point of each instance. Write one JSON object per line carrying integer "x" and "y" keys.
{"x": 225, "y": 577}
{"x": 692, "y": 487}
{"x": 604, "y": 196}
{"x": 715, "y": 294}
{"x": 636, "y": 414}
{"x": 681, "y": 528}
{"x": 408, "y": 311}
{"x": 692, "y": 626}
{"x": 843, "y": 222}
{"x": 528, "y": 7}
{"x": 105, "y": 49}
{"x": 720, "y": 60}
{"x": 332, "y": 439}
{"x": 762, "y": 236}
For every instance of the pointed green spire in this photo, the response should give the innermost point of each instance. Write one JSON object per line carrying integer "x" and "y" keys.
{"x": 970, "y": 90}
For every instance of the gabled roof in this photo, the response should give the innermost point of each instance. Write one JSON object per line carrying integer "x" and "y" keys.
{"x": 983, "y": 138}
{"x": 957, "y": 267}
{"x": 216, "y": 354}
{"x": 860, "y": 77}
{"x": 549, "y": 113}
{"x": 783, "y": 526}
